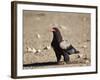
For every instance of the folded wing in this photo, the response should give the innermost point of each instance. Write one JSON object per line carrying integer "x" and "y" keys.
{"x": 68, "y": 47}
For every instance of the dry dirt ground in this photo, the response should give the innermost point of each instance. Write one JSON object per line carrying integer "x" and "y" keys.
{"x": 74, "y": 27}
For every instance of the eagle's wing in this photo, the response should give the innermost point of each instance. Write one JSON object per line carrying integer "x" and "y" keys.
{"x": 67, "y": 47}
{"x": 64, "y": 44}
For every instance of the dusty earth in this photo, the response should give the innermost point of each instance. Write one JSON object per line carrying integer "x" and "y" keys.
{"x": 74, "y": 27}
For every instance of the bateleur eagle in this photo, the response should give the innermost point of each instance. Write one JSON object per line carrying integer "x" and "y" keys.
{"x": 61, "y": 47}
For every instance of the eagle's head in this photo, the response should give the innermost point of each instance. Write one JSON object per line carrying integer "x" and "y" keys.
{"x": 56, "y": 34}
{"x": 54, "y": 29}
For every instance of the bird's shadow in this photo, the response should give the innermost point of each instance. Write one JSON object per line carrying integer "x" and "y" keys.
{"x": 40, "y": 64}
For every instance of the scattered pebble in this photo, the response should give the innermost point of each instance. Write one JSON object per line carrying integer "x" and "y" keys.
{"x": 80, "y": 55}
{"x": 38, "y": 36}
{"x": 87, "y": 40}
{"x": 33, "y": 50}
{"x": 87, "y": 61}
{"x": 38, "y": 51}
{"x": 85, "y": 57}
{"x": 84, "y": 46}
{"x": 47, "y": 47}
{"x": 29, "y": 50}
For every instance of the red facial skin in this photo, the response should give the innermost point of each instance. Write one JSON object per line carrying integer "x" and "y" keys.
{"x": 52, "y": 30}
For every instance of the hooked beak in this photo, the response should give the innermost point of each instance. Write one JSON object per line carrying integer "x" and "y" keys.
{"x": 51, "y": 30}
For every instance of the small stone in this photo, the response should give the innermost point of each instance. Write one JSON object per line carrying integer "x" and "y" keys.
{"x": 47, "y": 47}
{"x": 84, "y": 56}
{"x": 87, "y": 40}
{"x": 38, "y": 36}
{"x": 80, "y": 56}
{"x": 33, "y": 50}
{"x": 29, "y": 50}
{"x": 87, "y": 61}
{"x": 84, "y": 46}
{"x": 38, "y": 51}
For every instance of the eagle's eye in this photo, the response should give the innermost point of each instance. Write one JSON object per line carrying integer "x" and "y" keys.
{"x": 52, "y": 30}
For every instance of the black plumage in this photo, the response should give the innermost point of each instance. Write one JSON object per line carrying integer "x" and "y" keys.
{"x": 59, "y": 51}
